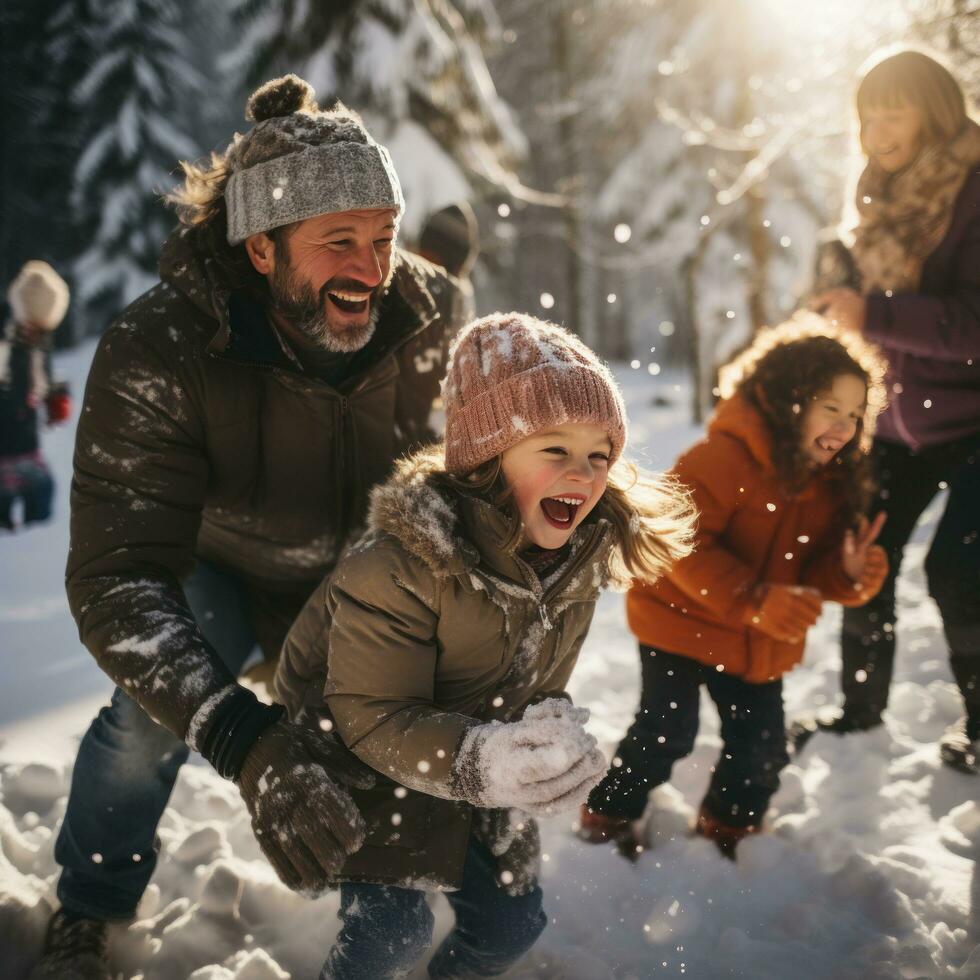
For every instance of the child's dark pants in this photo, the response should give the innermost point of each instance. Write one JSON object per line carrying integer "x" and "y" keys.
{"x": 387, "y": 929}
{"x": 752, "y": 730}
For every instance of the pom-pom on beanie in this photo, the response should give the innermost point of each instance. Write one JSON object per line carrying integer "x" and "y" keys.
{"x": 299, "y": 161}
{"x": 511, "y": 375}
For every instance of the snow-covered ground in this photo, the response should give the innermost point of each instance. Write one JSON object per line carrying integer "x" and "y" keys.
{"x": 869, "y": 871}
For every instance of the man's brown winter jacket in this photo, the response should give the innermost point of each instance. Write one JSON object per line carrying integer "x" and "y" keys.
{"x": 199, "y": 438}
{"x": 427, "y": 627}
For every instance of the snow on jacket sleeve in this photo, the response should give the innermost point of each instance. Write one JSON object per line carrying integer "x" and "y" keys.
{"x": 140, "y": 474}
{"x": 944, "y": 327}
{"x": 381, "y": 676}
{"x": 712, "y": 575}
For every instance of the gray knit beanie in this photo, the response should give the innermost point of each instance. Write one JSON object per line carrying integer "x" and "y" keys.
{"x": 299, "y": 161}
{"x": 511, "y": 375}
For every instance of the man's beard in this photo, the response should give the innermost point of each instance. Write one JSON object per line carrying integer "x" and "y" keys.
{"x": 306, "y": 310}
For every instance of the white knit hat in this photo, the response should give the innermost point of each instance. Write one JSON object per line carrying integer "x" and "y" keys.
{"x": 38, "y": 296}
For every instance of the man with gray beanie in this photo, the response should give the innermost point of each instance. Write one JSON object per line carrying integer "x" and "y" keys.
{"x": 235, "y": 417}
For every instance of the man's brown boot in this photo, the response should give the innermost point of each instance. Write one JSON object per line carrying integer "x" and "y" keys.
{"x": 75, "y": 948}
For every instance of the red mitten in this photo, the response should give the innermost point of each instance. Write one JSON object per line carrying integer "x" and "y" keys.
{"x": 58, "y": 405}
{"x": 784, "y": 612}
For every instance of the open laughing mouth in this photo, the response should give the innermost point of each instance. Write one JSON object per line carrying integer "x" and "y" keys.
{"x": 829, "y": 445}
{"x": 560, "y": 512}
{"x": 349, "y": 302}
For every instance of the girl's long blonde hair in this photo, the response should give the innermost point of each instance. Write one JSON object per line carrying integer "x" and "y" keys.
{"x": 654, "y": 520}
{"x": 653, "y": 516}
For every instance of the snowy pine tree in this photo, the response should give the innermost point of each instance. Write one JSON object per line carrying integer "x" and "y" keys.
{"x": 137, "y": 101}
{"x": 41, "y": 59}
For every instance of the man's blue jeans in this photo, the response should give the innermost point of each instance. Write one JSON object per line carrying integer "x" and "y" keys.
{"x": 386, "y": 930}
{"x": 126, "y": 769}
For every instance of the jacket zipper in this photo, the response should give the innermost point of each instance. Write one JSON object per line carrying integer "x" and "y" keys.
{"x": 545, "y": 597}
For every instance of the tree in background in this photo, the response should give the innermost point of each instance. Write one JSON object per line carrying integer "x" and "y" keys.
{"x": 708, "y": 175}
{"x": 137, "y": 101}
{"x": 712, "y": 144}
{"x": 544, "y": 69}
{"x": 40, "y": 61}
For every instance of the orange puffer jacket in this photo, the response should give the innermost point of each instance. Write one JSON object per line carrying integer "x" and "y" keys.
{"x": 749, "y": 532}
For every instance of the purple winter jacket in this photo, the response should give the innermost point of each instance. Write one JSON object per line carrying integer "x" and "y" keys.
{"x": 932, "y": 337}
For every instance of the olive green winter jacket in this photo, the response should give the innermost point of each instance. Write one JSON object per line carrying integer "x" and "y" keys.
{"x": 428, "y": 626}
{"x": 199, "y": 437}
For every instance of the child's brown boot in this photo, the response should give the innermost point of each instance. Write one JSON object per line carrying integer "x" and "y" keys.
{"x": 725, "y": 836}
{"x": 597, "y": 828}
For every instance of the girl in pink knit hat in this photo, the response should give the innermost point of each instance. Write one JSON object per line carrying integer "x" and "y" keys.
{"x": 441, "y": 646}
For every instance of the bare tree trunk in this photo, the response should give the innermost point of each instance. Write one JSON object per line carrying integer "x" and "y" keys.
{"x": 690, "y": 270}
{"x": 570, "y": 185}
{"x": 760, "y": 250}
{"x": 619, "y": 316}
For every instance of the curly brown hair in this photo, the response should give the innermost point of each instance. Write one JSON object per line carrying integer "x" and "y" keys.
{"x": 783, "y": 370}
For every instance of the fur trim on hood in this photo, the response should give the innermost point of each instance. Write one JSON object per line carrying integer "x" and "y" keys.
{"x": 424, "y": 519}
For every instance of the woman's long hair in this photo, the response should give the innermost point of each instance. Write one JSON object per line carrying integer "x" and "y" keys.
{"x": 911, "y": 77}
{"x": 781, "y": 373}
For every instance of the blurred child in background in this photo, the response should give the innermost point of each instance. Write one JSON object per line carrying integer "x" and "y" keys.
{"x": 38, "y": 299}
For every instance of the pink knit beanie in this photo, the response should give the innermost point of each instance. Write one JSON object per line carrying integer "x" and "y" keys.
{"x": 511, "y": 375}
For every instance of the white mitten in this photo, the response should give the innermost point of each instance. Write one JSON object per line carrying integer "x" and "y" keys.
{"x": 556, "y": 708}
{"x": 541, "y": 764}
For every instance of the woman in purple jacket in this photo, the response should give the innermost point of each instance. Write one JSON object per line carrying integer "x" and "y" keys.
{"x": 916, "y": 266}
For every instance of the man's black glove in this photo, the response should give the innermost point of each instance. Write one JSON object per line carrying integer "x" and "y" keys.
{"x": 304, "y": 822}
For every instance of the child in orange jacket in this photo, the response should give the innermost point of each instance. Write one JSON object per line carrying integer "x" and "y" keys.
{"x": 781, "y": 482}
